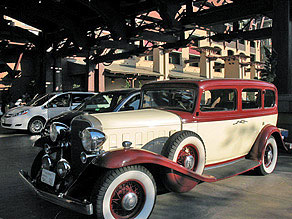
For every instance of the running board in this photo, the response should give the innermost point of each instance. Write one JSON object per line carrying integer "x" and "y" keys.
{"x": 231, "y": 169}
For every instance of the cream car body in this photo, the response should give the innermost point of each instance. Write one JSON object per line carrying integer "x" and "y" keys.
{"x": 199, "y": 131}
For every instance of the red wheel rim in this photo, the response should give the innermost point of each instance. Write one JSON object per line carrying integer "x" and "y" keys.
{"x": 268, "y": 157}
{"x": 122, "y": 190}
{"x": 188, "y": 150}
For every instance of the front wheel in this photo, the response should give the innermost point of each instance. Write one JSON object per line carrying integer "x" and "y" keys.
{"x": 127, "y": 192}
{"x": 36, "y": 125}
{"x": 187, "y": 149}
{"x": 269, "y": 157}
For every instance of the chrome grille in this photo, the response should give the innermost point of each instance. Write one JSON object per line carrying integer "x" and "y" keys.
{"x": 77, "y": 126}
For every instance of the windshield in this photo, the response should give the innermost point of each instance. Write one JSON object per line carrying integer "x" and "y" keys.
{"x": 40, "y": 100}
{"x": 102, "y": 102}
{"x": 182, "y": 99}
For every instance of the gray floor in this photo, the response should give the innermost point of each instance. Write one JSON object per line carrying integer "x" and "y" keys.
{"x": 244, "y": 196}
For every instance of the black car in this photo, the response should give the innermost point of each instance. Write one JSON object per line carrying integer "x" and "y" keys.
{"x": 108, "y": 101}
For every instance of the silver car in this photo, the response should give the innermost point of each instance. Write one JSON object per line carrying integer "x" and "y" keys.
{"x": 33, "y": 116}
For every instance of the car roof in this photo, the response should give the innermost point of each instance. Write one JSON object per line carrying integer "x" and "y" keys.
{"x": 73, "y": 92}
{"x": 214, "y": 82}
{"x": 122, "y": 91}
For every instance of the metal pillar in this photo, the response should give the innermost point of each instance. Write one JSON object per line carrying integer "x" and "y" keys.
{"x": 282, "y": 44}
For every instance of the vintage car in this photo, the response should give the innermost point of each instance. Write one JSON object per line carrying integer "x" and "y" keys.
{"x": 185, "y": 132}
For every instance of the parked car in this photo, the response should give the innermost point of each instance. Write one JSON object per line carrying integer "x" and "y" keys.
{"x": 33, "y": 116}
{"x": 185, "y": 132}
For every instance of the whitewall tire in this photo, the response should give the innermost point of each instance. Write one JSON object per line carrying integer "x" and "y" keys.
{"x": 127, "y": 192}
{"x": 269, "y": 157}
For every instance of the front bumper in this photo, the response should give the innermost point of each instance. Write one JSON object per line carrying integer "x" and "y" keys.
{"x": 18, "y": 122}
{"x": 61, "y": 200}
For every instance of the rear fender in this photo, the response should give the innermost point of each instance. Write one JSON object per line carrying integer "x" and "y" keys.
{"x": 259, "y": 145}
{"x": 126, "y": 157}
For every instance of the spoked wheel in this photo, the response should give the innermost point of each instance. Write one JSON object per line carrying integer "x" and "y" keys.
{"x": 187, "y": 149}
{"x": 128, "y": 192}
{"x": 269, "y": 157}
{"x": 127, "y": 199}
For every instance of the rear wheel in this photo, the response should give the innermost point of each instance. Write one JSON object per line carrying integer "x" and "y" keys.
{"x": 36, "y": 125}
{"x": 269, "y": 157}
{"x": 127, "y": 192}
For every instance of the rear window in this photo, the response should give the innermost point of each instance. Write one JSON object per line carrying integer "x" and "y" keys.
{"x": 251, "y": 99}
{"x": 269, "y": 98}
{"x": 218, "y": 100}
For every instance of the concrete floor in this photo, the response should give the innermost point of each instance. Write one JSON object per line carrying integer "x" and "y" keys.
{"x": 244, "y": 196}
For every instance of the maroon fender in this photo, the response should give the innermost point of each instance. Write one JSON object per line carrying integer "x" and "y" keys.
{"x": 126, "y": 157}
{"x": 258, "y": 147}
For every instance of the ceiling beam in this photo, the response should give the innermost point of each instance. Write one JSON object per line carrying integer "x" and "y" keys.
{"x": 228, "y": 13}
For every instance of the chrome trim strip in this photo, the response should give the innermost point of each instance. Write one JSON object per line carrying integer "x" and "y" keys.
{"x": 61, "y": 200}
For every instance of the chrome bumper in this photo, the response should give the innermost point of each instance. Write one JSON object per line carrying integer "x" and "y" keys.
{"x": 61, "y": 200}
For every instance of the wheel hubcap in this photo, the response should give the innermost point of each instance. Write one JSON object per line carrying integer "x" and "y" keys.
{"x": 268, "y": 156}
{"x": 188, "y": 157}
{"x": 129, "y": 201}
{"x": 37, "y": 126}
{"x": 189, "y": 162}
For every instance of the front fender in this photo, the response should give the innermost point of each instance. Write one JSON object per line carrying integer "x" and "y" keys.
{"x": 40, "y": 142}
{"x": 258, "y": 147}
{"x": 126, "y": 157}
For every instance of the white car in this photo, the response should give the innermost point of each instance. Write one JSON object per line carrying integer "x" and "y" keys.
{"x": 33, "y": 116}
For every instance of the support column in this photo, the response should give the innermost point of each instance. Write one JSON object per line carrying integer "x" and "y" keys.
{"x": 282, "y": 44}
{"x": 158, "y": 62}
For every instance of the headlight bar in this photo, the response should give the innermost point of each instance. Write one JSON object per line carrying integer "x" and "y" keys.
{"x": 58, "y": 130}
{"x": 92, "y": 139}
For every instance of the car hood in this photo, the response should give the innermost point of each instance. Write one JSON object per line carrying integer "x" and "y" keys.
{"x": 65, "y": 118}
{"x": 137, "y": 118}
{"x": 18, "y": 109}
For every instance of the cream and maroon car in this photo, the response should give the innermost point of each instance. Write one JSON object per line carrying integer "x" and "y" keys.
{"x": 185, "y": 132}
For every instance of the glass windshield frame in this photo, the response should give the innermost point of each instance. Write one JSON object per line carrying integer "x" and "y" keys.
{"x": 41, "y": 100}
{"x": 181, "y": 87}
{"x": 117, "y": 98}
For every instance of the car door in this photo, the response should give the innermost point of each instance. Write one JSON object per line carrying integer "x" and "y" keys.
{"x": 255, "y": 116}
{"x": 59, "y": 105}
{"x": 217, "y": 124}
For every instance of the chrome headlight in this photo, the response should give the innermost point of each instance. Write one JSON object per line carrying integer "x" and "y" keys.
{"x": 63, "y": 168}
{"x": 58, "y": 129}
{"x": 92, "y": 139}
{"x": 46, "y": 162}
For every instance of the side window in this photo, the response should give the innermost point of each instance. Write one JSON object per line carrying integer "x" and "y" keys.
{"x": 61, "y": 101}
{"x": 218, "y": 100}
{"x": 131, "y": 104}
{"x": 251, "y": 99}
{"x": 78, "y": 98}
{"x": 269, "y": 98}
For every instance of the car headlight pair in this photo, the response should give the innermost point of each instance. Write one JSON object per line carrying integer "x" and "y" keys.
{"x": 23, "y": 112}
{"x": 58, "y": 130}
{"x": 92, "y": 139}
